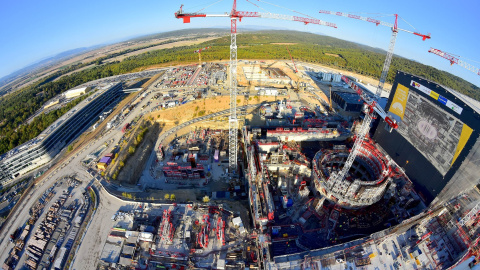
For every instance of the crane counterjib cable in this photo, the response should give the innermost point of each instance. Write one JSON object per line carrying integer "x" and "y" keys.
{"x": 209, "y": 5}
{"x": 287, "y": 9}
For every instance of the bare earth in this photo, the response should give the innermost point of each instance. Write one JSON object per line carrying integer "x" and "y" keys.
{"x": 164, "y": 46}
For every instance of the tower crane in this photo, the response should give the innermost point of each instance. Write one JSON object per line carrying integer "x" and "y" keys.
{"x": 454, "y": 60}
{"x": 371, "y": 102}
{"x": 199, "y": 51}
{"x": 235, "y": 15}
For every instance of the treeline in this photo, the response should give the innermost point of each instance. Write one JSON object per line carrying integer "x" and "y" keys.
{"x": 20, "y": 105}
{"x": 17, "y": 107}
{"x": 24, "y": 133}
{"x": 100, "y": 60}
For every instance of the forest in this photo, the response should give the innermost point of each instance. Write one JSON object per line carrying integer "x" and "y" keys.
{"x": 18, "y": 106}
{"x": 29, "y": 131}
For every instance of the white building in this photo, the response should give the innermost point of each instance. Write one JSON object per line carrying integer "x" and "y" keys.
{"x": 76, "y": 92}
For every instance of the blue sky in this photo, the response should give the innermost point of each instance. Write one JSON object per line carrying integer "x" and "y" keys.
{"x": 32, "y": 29}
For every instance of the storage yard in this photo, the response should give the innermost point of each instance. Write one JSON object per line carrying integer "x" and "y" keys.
{"x": 47, "y": 238}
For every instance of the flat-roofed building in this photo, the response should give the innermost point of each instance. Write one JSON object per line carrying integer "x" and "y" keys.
{"x": 76, "y": 92}
{"x": 58, "y": 135}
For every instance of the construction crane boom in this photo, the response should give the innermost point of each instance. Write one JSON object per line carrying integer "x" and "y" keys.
{"x": 454, "y": 60}
{"x": 375, "y": 21}
{"x": 371, "y": 102}
{"x": 240, "y": 14}
{"x": 199, "y": 51}
{"x": 235, "y": 15}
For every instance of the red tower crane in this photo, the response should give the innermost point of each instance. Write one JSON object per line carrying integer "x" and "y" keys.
{"x": 454, "y": 59}
{"x": 371, "y": 102}
{"x": 234, "y": 15}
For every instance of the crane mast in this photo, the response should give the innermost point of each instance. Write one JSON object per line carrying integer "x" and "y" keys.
{"x": 234, "y": 16}
{"x": 232, "y": 120}
{"x": 386, "y": 64}
{"x": 372, "y": 106}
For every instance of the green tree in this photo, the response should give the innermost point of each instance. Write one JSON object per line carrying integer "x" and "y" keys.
{"x": 206, "y": 199}
{"x": 172, "y": 197}
{"x": 131, "y": 150}
{"x": 167, "y": 196}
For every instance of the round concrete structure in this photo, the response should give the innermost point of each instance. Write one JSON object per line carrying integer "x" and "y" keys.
{"x": 364, "y": 184}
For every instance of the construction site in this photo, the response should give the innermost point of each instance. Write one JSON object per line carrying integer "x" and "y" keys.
{"x": 268, "y": 164}
{"x": 56, "y": 220}
{"x": 193, "y": 159}
{"x": 316, "y": 179}
{"x": 178, "y": 236}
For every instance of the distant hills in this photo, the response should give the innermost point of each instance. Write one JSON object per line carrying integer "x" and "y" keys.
{"x": 356, "y": 57}
{"x": 44, "y": 63}
{"x": 183, "y": 32}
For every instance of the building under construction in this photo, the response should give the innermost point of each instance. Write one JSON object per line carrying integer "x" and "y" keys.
{"x": 370, "y": 176}
{"x": 297, "y": 208}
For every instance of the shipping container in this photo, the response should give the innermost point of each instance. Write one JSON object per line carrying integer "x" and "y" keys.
{"x": 106, "y": 160}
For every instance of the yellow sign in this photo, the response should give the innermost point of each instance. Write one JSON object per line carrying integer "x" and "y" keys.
{"x": 399, "y": 101}
{"x": 466, "y": 132}
{"x": 434, "y": 95}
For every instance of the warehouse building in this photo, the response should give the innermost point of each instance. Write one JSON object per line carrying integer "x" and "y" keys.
{"x": 76, "y": 92}
{"x": 52, "y": 140}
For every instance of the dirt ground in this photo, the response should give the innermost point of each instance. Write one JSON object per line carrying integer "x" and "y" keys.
{"x": 311, "y": 99}
{"x": 159, "y": 47}
{"x": 172, "y": 117}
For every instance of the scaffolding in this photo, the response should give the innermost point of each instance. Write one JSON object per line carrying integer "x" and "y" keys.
{"x": 202, "y": 237}
{"x": 221, "y": 230}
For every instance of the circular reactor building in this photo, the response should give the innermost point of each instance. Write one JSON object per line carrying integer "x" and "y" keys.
{"x": 364, "y": 184}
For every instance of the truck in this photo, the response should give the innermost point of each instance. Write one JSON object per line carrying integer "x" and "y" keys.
{"x": 15, "y": 234}
{"x": 127, "y": 125}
